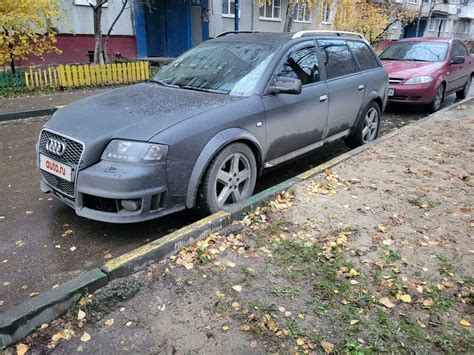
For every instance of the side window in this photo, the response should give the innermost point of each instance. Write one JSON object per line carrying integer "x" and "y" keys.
{"x": 302, "y": 64}
{"x": 363, "y": 54}
{"x": 458, "y": 49}
{"x": 337, "y": 58}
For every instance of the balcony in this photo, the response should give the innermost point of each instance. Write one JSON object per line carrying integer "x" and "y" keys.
{"x": 467, "y": 12}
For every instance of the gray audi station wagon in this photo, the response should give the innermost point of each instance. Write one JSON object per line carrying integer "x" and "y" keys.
{"x": 199, "y": 133}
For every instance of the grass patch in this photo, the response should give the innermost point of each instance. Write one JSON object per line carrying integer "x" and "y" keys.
{"x": 421, "y": 202}
{"x": 287, "y": 292}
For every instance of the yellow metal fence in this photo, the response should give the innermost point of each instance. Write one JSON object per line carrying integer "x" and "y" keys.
{"x": 69, "y": 76}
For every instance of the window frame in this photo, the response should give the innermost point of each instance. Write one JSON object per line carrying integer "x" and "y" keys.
{"x": 284, "y": 57}
{"x": 413, "y": 2}
{"x": 379, "y": 64}
{"x": 228, "y": 13}
{"x": 326, "y": 13}
{"x": 265, "y": 17}
{"x": 306, "y": 11}
{"x": 356, "y": 64}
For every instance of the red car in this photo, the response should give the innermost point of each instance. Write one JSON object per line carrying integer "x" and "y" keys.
{"x": 425, "y": 70}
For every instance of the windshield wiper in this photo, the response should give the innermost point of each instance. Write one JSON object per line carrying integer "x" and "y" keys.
{"x": 162, "y": 83}
{"x": 416, "y": 60}
{"x": 188, "y": 87}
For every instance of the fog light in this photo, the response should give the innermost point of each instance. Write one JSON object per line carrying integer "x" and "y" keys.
{"x": 131, "y": 205}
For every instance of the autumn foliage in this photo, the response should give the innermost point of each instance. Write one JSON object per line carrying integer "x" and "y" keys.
{"x": 26, "y": 29}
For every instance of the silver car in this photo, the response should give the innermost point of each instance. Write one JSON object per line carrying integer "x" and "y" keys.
{"x": 206, "y": 126}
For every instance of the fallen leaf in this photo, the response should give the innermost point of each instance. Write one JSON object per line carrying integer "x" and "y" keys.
{"x": 44, "y": 326}
{"x": 385, "y": 301}
{"x": 405, "y": 298}
{"x": 353, "y": 282}
{"x": 72, "y": 248}
{"x": 253, "y": 344}
{"x": 235, "y": 304}
{"x": 288, "y": 314}
{"x": 281, "y": 309}
{"x": 381, "y": 228}
{"x": 225, "y": 328}
{"x": 107, "y": 256}
{"x": 428, "y": 302}
{"x": 246, "y": 327}
{"x": 109, "y": 322}
{"x": 162, "y": 307}
{"x": 465, "y": 323}
{"x": 21, "y": 349}
{"x": 19, "y": 243}
{"x": 29, "y": 212}
{"x": 354, "y": 321}
{"x": 327, "y": 346}
{"x": 220, "y": 294}
{"x": 299, "y": 341}
{"x": 128, "y": 324}
{"x": 353, "y": 273}
{"x": 81, "y": 315}
{"x": 67, "y": 232}
{"x": 33, "y": 294}
{"x": 237, "y": 288}
{"x": 230, "y": 264}
{"x": 85, "y": 337}
{"x": 62, "y": 334}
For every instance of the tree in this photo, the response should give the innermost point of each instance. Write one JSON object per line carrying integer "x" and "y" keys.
{"x": 97, "y": 6}
{"x": 111, "y": 28}
{"x": 373, "y": 20}
{"x": 26, "y": 29}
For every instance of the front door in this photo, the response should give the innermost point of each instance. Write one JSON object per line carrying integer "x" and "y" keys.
{"x": 295, "y": 122}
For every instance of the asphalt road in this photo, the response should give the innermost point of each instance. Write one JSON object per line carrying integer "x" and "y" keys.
{"x": 43, "y": 243}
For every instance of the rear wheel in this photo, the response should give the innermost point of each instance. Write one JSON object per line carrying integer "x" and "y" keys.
{"x": 230, "y": 178}
{"x": 368, "y": 127}
{"x": 435, "y": 105}
{"x": 462, "y": 94}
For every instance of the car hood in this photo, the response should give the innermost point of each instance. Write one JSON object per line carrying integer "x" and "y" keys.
{"x": 136, "y": 112}
{"x": 405, "y": 69}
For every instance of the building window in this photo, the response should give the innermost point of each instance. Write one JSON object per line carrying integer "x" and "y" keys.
{"x": 88, "y": 3}
{"x": 413, "y": 2}
{"x": 326, "y": 13}
{"x": 432, "y": 25}
{"x": 302, "y": 13}
{"x": 228, "y": 7}
{"x": 271, "y": 11}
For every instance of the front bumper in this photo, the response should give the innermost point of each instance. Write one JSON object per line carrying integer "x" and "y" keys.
{"x": 414, "y": 94}
{"x": 101, "y": 188}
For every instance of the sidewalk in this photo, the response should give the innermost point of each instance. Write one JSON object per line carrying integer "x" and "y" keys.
{"x": 375, "y": 255}
{"x": 42, "y": 101}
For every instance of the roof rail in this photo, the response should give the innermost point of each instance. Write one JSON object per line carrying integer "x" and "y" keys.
{"x": 300, "y": 34}
{"x": 233, "y": 33}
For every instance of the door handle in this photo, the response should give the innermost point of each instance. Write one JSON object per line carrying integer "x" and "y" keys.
{"x": 323, "y": 98}
{"x": 361, "y": 87}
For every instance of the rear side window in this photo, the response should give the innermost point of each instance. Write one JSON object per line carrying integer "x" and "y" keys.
{"x": 363, "y": 54}
{"x": 337, "y": 58}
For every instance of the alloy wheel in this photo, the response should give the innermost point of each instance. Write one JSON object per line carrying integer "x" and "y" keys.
{"x": 371, "y": 125}
{"x": 438, "y": 98}
{"x": 233, "y": 180}
{"x": 467, "y": 87}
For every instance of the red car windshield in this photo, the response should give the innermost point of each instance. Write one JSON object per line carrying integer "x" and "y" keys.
{"x": 416, "y": 51}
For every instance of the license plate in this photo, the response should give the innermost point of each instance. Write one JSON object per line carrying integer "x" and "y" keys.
{"x": 56, "y": 168}
{"x": 391, "y": 92}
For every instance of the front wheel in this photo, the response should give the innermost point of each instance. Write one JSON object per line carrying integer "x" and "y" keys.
{"x": 368, "y": 127}
{"x": 230, "y": 178}
{"x": 435, "y": 105}
{"x": 462, "y": 94}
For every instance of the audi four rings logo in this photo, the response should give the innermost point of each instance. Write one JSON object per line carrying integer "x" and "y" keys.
{"x": 56, "y": 146}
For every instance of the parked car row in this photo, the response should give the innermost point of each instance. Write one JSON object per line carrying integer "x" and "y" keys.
{"x": 200, "y": 132}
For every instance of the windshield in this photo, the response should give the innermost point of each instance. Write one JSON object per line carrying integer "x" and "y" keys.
{"x": 416, "y": 51}
{"x": 223, "y": 67}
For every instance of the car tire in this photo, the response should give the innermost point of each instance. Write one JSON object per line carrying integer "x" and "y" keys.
{"x": 229, "y": 178}
{"x": 367, "y": 128}
{"x": 462, "y": 94}
{"x": 435, "y": 105}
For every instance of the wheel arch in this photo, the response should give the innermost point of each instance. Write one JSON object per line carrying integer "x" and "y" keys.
{"x": 373, "y": 96}
{"x": 214, "y": 146}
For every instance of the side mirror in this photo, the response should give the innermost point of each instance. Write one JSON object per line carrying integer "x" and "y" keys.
{"x": 284, "y": 85}
{"x": 458, "y": 60}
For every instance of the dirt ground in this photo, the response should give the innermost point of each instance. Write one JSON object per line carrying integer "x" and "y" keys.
{"x": 375, "y": 255}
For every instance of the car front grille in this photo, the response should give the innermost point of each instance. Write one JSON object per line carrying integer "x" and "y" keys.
{"x": 72, "y": 157}
{"x": 395, "y": 80}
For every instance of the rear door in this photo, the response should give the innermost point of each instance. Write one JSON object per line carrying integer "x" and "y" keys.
{"x": 458, "y": 73}
{"x": 346, "y": 86}
{"x": 295, "y": 122}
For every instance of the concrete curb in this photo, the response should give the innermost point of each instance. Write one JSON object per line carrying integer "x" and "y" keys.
{"x": 9, "y": 116}
{"x": 21, "y": 320}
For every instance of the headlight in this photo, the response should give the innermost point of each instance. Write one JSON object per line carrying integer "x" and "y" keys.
{"x": 134, "y": 152}
{"x": 419, "y": 80}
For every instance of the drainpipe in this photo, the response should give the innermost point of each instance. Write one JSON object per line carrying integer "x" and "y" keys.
{"x": 236, "y": 15}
